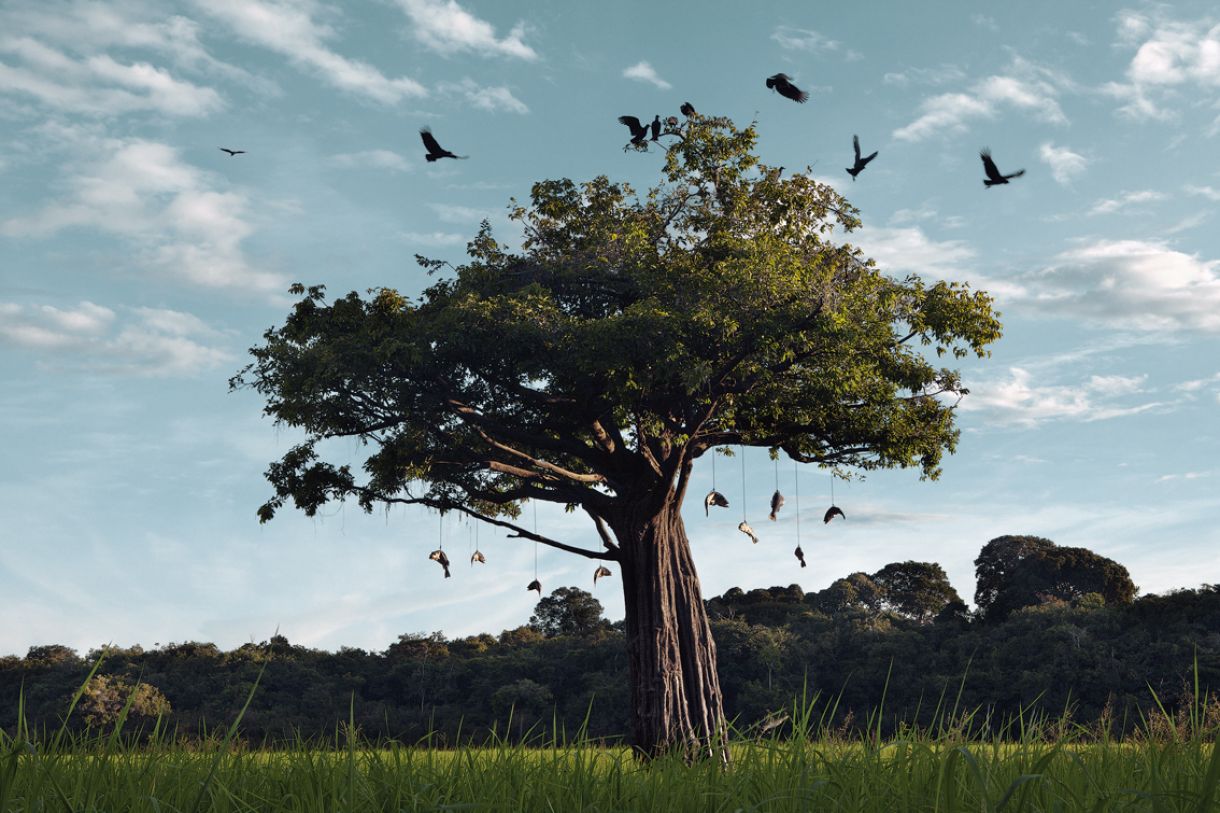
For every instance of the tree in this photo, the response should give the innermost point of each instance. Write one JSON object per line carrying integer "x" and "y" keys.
{"x": 1023, "y": 571}
{"x": 568, "y": 611}
{"x": 593, "y": 367}
{"x": 105, "y": 697}
{"x": 916, "y": 590}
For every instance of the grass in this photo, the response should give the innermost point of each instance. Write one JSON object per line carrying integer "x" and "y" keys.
{"x": 1028, "y": 765}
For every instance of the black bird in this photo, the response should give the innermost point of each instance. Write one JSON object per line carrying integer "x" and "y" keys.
{"x": 602, "y": 570}
{"x": 231, "y": 152}
{"x": 638, "y": 131}
{"x": 777, "y": 502}
{"x": 800, "y": 555}
{"x": 714, "y": 498}
{"x": 435, "y": 150}
{"x": 687, "y": 109}
{"x": 656, "y": 127}
{"x": 994, "y": 178}
{"x": 832, "y": 512}
{"x": 783, "y": 83}
{"x": 861, "y": 163}
{"x": 439, "y": 557}
{"x": 535, "y": 585}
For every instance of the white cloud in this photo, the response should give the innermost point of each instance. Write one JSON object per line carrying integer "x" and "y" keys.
{"x": 1133, "y": 284}
{"x": 169, "y": 210}
{"x": 1065, "y": 164}
{"x": 447, "y": 28}
{"x": 289, "y": 27}
{"x": 1170, "y": 55}
{"x": 1110, "y": 205}
{"x": 1017, "y": 399}
{"x": 486, "y": 98}
{"x": 98, "y": 85}
{"x": 147, "y": 341}
{"x": 1024, "y": 86}
{"x": 1209, "y": 192}
{"x": 449, "y": 213}
{"x": 435, "y": 238}
{"x": 940, "y": 75}
{"x": 908, "y": 250}
{"x": 643, "y": 72}
{"x": 372, "y": 159}
{"x": 806, "y": 39}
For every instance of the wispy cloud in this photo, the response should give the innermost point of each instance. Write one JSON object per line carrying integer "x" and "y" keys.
{"x": 1065, "y": 165}
{"x": 447, "y": 28}
{"x": 1024, "y": 86}
{"x": 1127, "y": 199}
{"x": 643, "y": 72}
{"x": 791, "y": 38}
{"x": 492, "y": 99}
{"x": 372, "y": 159}
{"x": 940, "y": 75}
{"x": 1209, "y": 192}
{"x": 435, "y": 238}
{"x": 1170, "y": 55}
{"x": 289, "y": 28}
{"x": 909, "y": 250}
{"x": 1022, "y": 400}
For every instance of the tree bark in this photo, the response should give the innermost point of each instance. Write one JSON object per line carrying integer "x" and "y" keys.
{"x": 675, "y": 689}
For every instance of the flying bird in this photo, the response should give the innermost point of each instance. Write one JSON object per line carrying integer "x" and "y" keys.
{"x": 745, "y": 528}
{"x": 535, "y": 585}
{"x": 832, "y": 512}
{"x": 477, "y": 556}
{"x": 861, "y": 163}
{"x": 800, "y": 555}
{"x": 777, "y": 502}
{"x": 687, "y": 109}
{"x": 715, "y": 498}
{"x": 656, "y": 127}
{"x": 439, "y": 556}
{"x": 435, "y": 150}
{"x": 638, "y": 131}
{"x": 231, "y": 153}
{"x": 994, "y": 178}
{"x": 782, "y": 82}
{"x": 602, "y": 570}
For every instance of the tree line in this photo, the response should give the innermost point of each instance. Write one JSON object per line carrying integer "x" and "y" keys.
{"x": 1055, "y": 630}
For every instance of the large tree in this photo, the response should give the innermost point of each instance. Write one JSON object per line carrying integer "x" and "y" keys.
{"x": 592, "y": 367}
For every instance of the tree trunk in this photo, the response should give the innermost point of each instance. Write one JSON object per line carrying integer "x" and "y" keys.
{"x": 675, "y": 690}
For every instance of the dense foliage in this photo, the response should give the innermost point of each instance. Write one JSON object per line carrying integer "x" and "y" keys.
{"x": 1096, "y": 658}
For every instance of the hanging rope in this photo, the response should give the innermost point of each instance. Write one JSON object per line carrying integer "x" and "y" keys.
{"x": 440, "y": 531}
{"x": 713, "y": 468}
{"x": 742, "y": 451}
{"x": 796, "y": 496}
{"x": 535, "y": 505}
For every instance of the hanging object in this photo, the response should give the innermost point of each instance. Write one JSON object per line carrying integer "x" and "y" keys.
{"x": 833, "y": 511}
{"x": 744, "y": 526}
{"x": 535, "y": 585}
{"x": 438, "y": 555}
{"x": 477, "y": 556}
{"x": 601, "y": 571}
{"x": 796, "y": 495}
{"x": 714, "y": 497}
{"x": 799, "y": 554}
{"x": 777, "y": 499}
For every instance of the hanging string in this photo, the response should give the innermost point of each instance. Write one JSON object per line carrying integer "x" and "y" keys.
{"x": 796, "y": 495}
{"x": 832, "y": 488}
{"x": 742, "y": 450}
{"x": 535, "y": 504}
{"x": 777, "y": 473}
{"x": 713, "y": 468}
{"x": 440, "y": 530}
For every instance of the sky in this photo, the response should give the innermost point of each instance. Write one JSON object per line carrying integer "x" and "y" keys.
{"x": 138, "y": 263}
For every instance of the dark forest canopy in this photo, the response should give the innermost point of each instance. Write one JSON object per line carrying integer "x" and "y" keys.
{"x": 1094, "y": 656}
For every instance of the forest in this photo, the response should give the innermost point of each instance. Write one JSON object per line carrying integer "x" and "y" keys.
{"x": 1056, "y": 633}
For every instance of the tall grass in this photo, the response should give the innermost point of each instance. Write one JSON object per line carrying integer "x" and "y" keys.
{"x": 962, "y": 762}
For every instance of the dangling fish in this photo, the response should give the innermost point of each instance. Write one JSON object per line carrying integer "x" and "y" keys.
{"x": 745, "y": 528}
{"x": 777, "y": 502}
{"x": 439, "y": 556}
{"x": 477, "y": 556}
{"x": 832, "y": 512}
{"x": 535, "y": 585}
{"x": 602, "y": 570}
{"x": 800, "y": 555}
{"x": 715, "y": 498}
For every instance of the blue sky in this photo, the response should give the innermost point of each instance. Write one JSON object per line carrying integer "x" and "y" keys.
{"x": 138, "y": 262}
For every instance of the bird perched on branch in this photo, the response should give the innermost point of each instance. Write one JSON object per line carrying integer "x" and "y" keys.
{"x": 638, "y": 131}
{"x": 800, "y": 555}
{"x": 440, "y": 558}
{"x": 715, "y": 498}
{"x": 435, "y": 150}
{"x": 602, "y": 570}
{"x": 231, "y": 153}
{"x": 777, "y": 502}
{"x": 994, "y": 178}
{"x": 782, "y": 83}
{"x": 687, "y": 109}
{"x": 656, "y": 127}
{"x": 832, "y": 512}
{"x": 861, "y": 163}
{"x": 535, "y": 585}
{"x": 477, "y": 556}
{"x": 745, "y": 528}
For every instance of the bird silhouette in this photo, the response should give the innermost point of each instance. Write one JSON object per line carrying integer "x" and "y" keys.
{"x": 687, "y": 109}
{"x": 671, "y": 121}
{"x": 861, "y": 163}
{"x": 714, "y": 498}
{"x": 656, "y": 127}
{"x": 777, "y": 502}
{"x": 439, "y": 557}
{"x": 782, "y": 82}
{"x": 638, "y": 131}
{"x": 994, "y": 178}
{"x": 832, "y": 512}
{"x": 602, "y": 570}
{"x": 745, "y": 528}
{"x": 800, "y": 555}
{"x": 535, "y": 585}
{"x": 231, "y": 153}
{"x": 435, "y": 150}
{"x": 477, "y": 556}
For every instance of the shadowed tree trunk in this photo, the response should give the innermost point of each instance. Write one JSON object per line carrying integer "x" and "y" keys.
{"x": 675, "y": 690}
